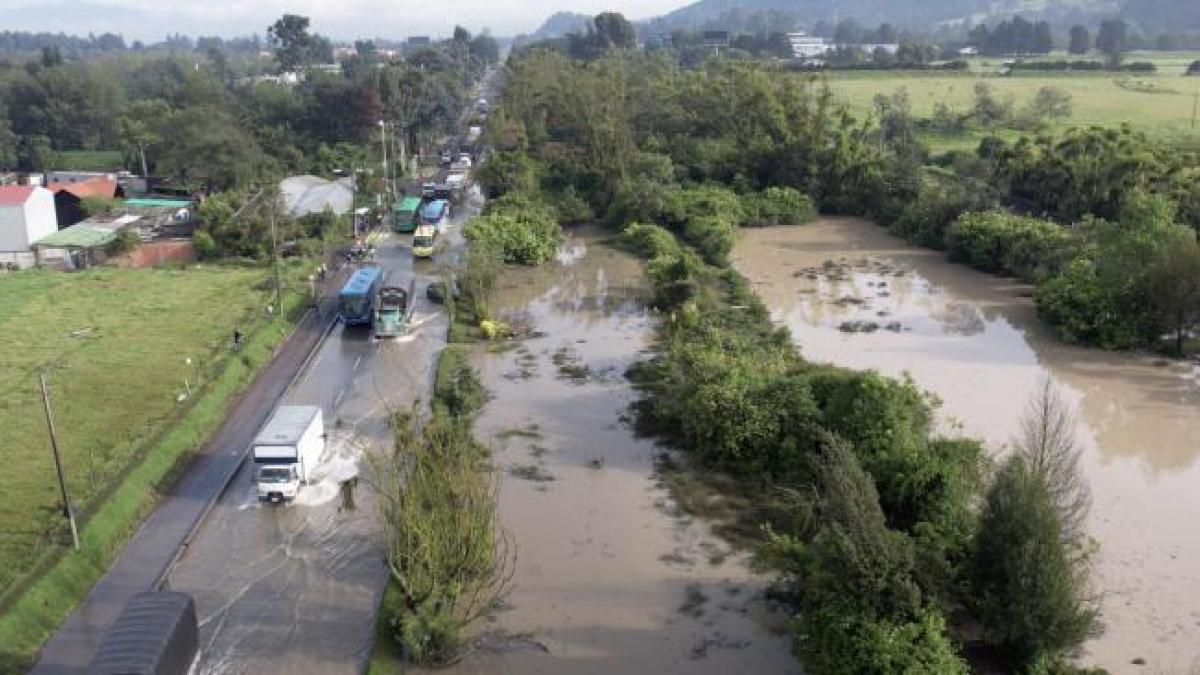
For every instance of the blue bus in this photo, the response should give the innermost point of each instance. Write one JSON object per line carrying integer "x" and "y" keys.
{"x": 435, "y": 213}
{"x": 357, "y": 299}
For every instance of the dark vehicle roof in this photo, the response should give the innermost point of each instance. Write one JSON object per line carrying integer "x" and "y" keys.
{"x": 156, "y": 634}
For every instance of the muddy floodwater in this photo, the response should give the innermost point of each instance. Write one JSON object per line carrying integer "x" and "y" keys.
{"x": 854, "y": 295}
{"x": 609, "y": 579}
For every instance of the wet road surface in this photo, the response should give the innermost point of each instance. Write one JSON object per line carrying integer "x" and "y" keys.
{"x": 975, "y": 341}
{"x": 609, "y": 579}
{"x": 295, "y": 588}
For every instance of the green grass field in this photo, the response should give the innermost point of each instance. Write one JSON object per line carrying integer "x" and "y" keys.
{"x": 116, "y": 342}
{"x": 88, "y": 160}
{"x": 1159, "y": 105}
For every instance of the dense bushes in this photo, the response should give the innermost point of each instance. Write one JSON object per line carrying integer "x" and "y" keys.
{"x": 779, "y": 206}
{"x": 523, "y": 230}
{"x": 996, "y": 241}
{"x": 924, "y": 220}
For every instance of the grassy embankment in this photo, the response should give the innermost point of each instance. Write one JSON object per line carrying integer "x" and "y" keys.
{"x": 116, "y": 345}
{"x": 1159, "y": 105}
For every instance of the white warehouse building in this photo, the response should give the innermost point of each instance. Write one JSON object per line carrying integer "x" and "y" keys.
{"x": 26, "y": 215}
{"x": 805, "y": 46}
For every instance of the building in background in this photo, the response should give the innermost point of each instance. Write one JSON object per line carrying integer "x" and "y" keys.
{"x": 805, "y": 46}
{"x": 68, "y": 197}
{"x": 26, "y": 215}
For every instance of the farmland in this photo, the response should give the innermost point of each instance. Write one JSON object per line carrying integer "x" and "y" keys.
{"x": 1160, "y": 105}
{"x": 116, "y": 346}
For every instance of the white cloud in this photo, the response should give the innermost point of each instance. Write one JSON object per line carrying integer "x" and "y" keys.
{"x": 340, "y": 19}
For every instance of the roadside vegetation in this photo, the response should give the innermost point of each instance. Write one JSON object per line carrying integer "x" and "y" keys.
{"x": 141, "y": 370}
{"x": 449, "y": 560}
{"x": 871, "y": 519}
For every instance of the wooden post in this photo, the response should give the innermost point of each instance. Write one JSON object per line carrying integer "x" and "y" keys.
{"x": 62, "y": 483}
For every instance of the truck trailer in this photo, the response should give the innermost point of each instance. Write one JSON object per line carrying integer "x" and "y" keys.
{"x": 287, "y": 450}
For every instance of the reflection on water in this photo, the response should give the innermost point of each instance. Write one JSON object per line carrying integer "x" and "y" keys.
{"x": 973, "y": 340}
{"x": 607, "y": 579}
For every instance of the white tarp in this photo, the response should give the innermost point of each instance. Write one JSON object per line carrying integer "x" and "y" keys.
{"x": 303, "y": 195}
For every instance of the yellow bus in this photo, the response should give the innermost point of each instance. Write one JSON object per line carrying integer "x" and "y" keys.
{"x": 423, "y": 241}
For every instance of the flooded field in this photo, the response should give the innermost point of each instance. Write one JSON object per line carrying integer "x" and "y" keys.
{"x": 856, "y": 296}
{"x": 608, "y": 578}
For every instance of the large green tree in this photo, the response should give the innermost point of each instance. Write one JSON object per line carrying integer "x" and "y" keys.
{"x": 292, "y": 42}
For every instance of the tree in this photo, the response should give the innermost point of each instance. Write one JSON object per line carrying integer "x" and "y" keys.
{"x": 1112, "y": 39}
{"x": 1043, "y": 38}
{"x": 1048, "y": 445}
{"x": 291, "y": 40}
{"x": 1081, "y": 40}
{"x": 1174, "y": 284}
{"x": 485, "y": 49}
{"x": 51, "y": 57}
{"x": 138, "y": 128}
{"x": 208, "y": 149}
{"x": 461, "y": 35}
{"x": 848, "y": 32}
{"x": 1051, "y": 103}
{"x": 613, "y": 31}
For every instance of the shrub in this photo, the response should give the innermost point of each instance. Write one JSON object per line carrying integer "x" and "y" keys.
{"x": 924, "y": 221}
{"x": 206, "y": 247}
{"x": 779, "y": 206}
{"x": 522, "y": 230}
{"x": 995, "y": 241}
{"x": 712, "y": 236}
{"x": 126, "y": 241}
{"x": 648, "y": 241}
{"x": 1083, "y": 310}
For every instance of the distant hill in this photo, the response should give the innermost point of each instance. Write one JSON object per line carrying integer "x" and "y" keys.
{"x": 558, "y": 25}
{"x": 752, "y": 15}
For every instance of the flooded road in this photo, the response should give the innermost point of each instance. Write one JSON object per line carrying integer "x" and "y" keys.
{"x": 607, "y": 580}
{"x": 854, "y": 295}
{"x": 294, "y": 588}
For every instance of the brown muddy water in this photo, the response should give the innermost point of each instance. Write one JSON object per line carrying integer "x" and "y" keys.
{"x": 974, "y": 340}
{"x": 608, "y": 579}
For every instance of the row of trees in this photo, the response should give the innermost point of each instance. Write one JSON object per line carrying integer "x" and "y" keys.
{"x": 889, "y": 543}
{"x": 189, "y": 118}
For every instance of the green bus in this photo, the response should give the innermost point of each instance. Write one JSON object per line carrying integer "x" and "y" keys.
{"x": 405, "y": 213}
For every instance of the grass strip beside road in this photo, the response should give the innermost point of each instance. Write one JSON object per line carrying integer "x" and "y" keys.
{"x": 31, "y": 618}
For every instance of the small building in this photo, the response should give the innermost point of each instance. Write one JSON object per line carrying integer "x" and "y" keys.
{"x": 26, "y": 216}
{"x": 163, "y": 228}
{"x": 805, "y": 46}
{"x": 715, "y": 39}
{"x": 68, "y": 197}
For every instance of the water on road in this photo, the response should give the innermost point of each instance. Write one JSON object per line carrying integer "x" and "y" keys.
{"x": 295, "y": 588}
{"x": 607, "y": 579}
{"x": 854, "y": 295}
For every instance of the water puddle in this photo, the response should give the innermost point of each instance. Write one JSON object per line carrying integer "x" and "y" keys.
{"x": 607, "y": 580}
{"x": 853, "y": 295}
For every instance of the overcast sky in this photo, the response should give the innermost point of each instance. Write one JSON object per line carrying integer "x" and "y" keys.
{"x": 150, "y": 20}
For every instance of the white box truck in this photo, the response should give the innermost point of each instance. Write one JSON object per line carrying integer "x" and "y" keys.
{"x": 287, "y": 450}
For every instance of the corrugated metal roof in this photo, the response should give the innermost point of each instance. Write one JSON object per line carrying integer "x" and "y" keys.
{"x": 165, "y": 203}
{"x": 78, "y": 236}
{"x": 92, "y": 187}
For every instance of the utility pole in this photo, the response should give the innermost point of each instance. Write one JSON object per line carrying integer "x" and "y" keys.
{"x": 383, "y": 142}
{"x": 62, "y": 483}
{"x": 275, "y": 247}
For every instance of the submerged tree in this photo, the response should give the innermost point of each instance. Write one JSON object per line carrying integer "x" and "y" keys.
{"x": 1029, "y": 570}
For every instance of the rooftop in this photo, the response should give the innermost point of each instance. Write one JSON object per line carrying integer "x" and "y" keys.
{"x": 92, "y": 187}
{"x": 15, "y": 195}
